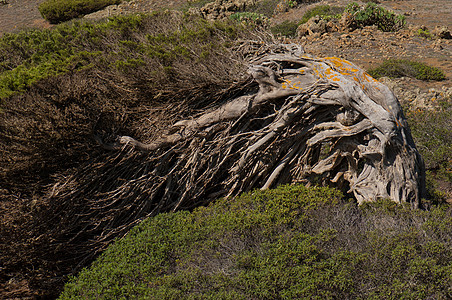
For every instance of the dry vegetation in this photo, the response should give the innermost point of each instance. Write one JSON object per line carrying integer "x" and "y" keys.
{"x": 66, "y": 91}
{"x": 122, "y": 76}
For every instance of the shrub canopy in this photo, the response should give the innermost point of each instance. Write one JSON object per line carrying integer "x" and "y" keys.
{"x": 289, "y": 243}
{"x": 57, "y": 11}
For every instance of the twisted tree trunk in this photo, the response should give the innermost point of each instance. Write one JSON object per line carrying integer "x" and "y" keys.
{"x": 318, "y": 120}
{"x": 310, "y": 120}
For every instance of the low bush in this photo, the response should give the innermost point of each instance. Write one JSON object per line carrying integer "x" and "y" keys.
{"x": 324, "y": 11}
{"x": 432, "y": 132}
{"x": 289, "y": 243}
{"x": 373, "y": 14}
{"x": 250, "y": 17}
{"x": 395, "y": 68}
{"x": 286, "y": 28}
{"x": 57, "y": 11}
{"x": 424, "y": 33}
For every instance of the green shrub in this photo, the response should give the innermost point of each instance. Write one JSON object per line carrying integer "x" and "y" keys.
{"x": 57, "y": 11}
{"x": 432, "y": 132}
{"x": 30, "y": 56}
{"x": 372, "y": 14}
{"x": 286, "y": 28}
{"x": 324, "y": 11}
{"x": 395, "y": 68}
{"x": 250, "y": 17}
{"x": 424, "y": 33}
{"x": 289, "y": 243}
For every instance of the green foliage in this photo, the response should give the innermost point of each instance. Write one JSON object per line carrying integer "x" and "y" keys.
{"x": 373, "y": 14}
{"x": 286, "y": 28}
{"x": 395, "y": 68}
{"x": 424, "y": 33}
{"x": 432, "y": 132}
{"x": 250, "y": 17}
{"x": 292, "y": 4}
{"x": 324, "y": 11}
{"x": 30, "y": 56}
{"x": 289, "y": 243}
{"x": 57, "y": 11}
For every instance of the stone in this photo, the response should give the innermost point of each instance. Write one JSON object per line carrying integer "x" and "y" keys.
{"x": 315, "y": 26}
{"x": 442, "y": 32}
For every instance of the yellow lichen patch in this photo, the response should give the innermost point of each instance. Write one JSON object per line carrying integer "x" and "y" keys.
{"x": 328, "y": 71}
{"x": 369, "y": 78}
{"x": 341, "y": 64}
{"x": 287, "y": 84}
{"x": 319, "y": 73}
{"x": 295, "y": 86}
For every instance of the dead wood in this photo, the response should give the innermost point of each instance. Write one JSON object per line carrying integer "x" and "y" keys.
{"x": 310, "y": 120}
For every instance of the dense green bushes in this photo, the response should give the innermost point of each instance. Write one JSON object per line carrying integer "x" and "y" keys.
{"x": 286, "y": 28}
{"x": 395, "y": 68}
{"x": 432, "y": 132}
{"x": 288, "y": 243}
{"x": 324, "y": 11}
{"x": 57, "y": 11}
{"x": 373, "y": 14}
{"x": 29, "y": 56}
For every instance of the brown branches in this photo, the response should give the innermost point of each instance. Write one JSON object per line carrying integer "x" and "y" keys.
{"x": 312, "y": 120}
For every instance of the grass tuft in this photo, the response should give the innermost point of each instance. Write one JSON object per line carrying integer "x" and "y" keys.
{"x": 286, "y": 28}
{"x": 395, "y": 68}
{"x": 324, "y": 11}
{"x": 57, "y": 11}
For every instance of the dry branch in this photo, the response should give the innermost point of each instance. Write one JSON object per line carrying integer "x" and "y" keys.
{"x": 312, "y": 120}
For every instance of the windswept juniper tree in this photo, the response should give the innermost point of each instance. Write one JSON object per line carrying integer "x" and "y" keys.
{"x": 312, "y": 119}
{"x": 302, "y": 119}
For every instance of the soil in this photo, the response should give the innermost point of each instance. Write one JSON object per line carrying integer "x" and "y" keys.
{"x": 366, "y": 48}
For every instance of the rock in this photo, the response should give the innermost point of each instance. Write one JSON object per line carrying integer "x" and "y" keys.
{"x": 315, "y": 26}
{"x": 442, "y": 32}
{"x": 437, "y": 45}
{"x": 282, "y": 7}
{"x": 333, "y": 25}
{"x": 347, "y": 22}
{"x": 221, "y": 9}
{"x": 195, "y": 11}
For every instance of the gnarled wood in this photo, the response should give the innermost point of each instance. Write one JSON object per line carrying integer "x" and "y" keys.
{"x": 312, "y": 120}
{"x": 317, "y": 103}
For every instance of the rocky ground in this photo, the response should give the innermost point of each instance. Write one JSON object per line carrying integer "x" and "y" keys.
{"x": 366, "y": 47}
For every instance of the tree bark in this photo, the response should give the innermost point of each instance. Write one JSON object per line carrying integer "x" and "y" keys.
{"x": 310, "y": 120}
